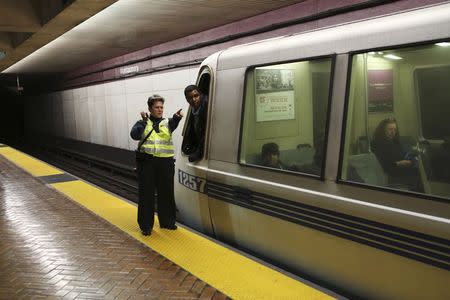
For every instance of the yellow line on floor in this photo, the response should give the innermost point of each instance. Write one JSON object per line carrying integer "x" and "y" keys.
{"x": 235, "y": 275}
{"x": 34, "y": 166}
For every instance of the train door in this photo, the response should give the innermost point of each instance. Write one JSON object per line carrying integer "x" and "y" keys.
{"x": 434, "y": 131}
{"x": 190, "y": 194}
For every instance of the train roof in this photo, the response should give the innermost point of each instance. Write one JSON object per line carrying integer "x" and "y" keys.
{"x": 424, "y": 24}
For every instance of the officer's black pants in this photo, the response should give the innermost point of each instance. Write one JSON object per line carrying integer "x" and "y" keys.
{"x": 156, "y": 173}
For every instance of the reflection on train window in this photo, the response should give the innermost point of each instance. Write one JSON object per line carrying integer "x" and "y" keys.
{"x": 285, "y": 116}
{"x": 397, "y": 134}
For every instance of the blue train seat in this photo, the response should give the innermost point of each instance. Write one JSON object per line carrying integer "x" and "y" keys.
{"x": 367, "y": 168}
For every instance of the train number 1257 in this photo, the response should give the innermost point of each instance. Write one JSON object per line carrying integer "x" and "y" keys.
{"x": 191, "y": 182}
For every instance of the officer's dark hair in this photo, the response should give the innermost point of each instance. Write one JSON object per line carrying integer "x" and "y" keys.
{"x": 189, "y": 90}
{"x": 154, "y": 98}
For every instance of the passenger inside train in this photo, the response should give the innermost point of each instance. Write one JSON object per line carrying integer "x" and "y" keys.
{"x": 400, "y": 166}
{"x": 290, "y": 111}
{"x": 409, "y": 152}
{"x": 270, "y": 156}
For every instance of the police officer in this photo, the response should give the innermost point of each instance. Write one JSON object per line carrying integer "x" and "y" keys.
{"x": 155, "y": 165}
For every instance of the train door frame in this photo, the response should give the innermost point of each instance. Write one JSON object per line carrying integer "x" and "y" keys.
{"x": 190, "y": 192}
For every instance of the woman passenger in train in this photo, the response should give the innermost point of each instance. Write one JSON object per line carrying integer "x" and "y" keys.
{"x": 395, "y": 162}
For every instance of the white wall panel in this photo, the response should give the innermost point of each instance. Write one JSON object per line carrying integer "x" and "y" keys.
{"x": 69, "y": 115}
{"x": 80, "y": 93}
{"x": 173, "y": 101}
{"x": 115, "y": 88}
{"x": 97, "y": 120}
{"x": 96, "y": 90}
{"x": 135, "y": 104}
{"x": 82, "y": 119}
{"x": 172, "y": 80}
{"x": 193, "y": 72}
{"x": 139, "y": 85}
{"x": 116, "y": 121}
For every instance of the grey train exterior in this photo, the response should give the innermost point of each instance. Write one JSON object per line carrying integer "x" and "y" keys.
{"x": 370, "y": 240}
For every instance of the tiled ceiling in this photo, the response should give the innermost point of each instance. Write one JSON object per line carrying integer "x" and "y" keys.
{"x": 50, "y": 30}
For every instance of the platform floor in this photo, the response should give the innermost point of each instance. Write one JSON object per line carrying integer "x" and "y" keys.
{"x": 63, "y": 238}
{"x": 51, "y": 247}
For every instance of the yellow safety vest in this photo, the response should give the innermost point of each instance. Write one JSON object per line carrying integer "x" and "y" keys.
{"x": 158, "y": 144}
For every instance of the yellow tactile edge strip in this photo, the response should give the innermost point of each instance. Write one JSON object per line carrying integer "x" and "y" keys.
{"x": 35, "y": 167}
{"x": 233, "y": 274}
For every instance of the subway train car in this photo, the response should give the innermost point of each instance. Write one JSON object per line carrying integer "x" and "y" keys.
{"x": 327, "y": 153}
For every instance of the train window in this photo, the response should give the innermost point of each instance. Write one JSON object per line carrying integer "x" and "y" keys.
{"x": 285, "y": 116}
{"x": 397, "y": 131}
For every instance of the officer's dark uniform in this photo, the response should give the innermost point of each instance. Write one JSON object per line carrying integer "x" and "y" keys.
{"x": 156, "y": 168}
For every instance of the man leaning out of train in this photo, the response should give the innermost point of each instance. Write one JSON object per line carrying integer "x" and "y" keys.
{"x": 195, "y": 134}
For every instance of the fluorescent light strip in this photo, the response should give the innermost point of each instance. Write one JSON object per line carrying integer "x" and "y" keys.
{"x": 392, "y": 56}
{"x": 443, "y": 44}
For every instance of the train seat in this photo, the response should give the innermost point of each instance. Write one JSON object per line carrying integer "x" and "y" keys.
{"x": 367, "y": 169}
{"x": 298, "y": 157}
{"x": 253, "y": 159}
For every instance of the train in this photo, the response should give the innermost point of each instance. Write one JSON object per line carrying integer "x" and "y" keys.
{"x": 331, "y": 212}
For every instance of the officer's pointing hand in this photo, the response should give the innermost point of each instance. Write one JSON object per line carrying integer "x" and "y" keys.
{"x": 179, "y": 113}
{"x": 144, "y": 115}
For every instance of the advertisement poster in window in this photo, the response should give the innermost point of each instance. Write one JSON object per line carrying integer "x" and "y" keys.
{"x": 380, "y": 91}
{"x": 274, "y": 94}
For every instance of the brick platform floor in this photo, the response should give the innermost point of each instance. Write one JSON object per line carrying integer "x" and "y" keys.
{"x": 52, "y": 248}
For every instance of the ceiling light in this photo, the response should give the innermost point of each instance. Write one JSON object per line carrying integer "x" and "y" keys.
{"x": 443, "y": 44}
{"x": 392, "y": 56}
{"x": 371, "y": 53}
